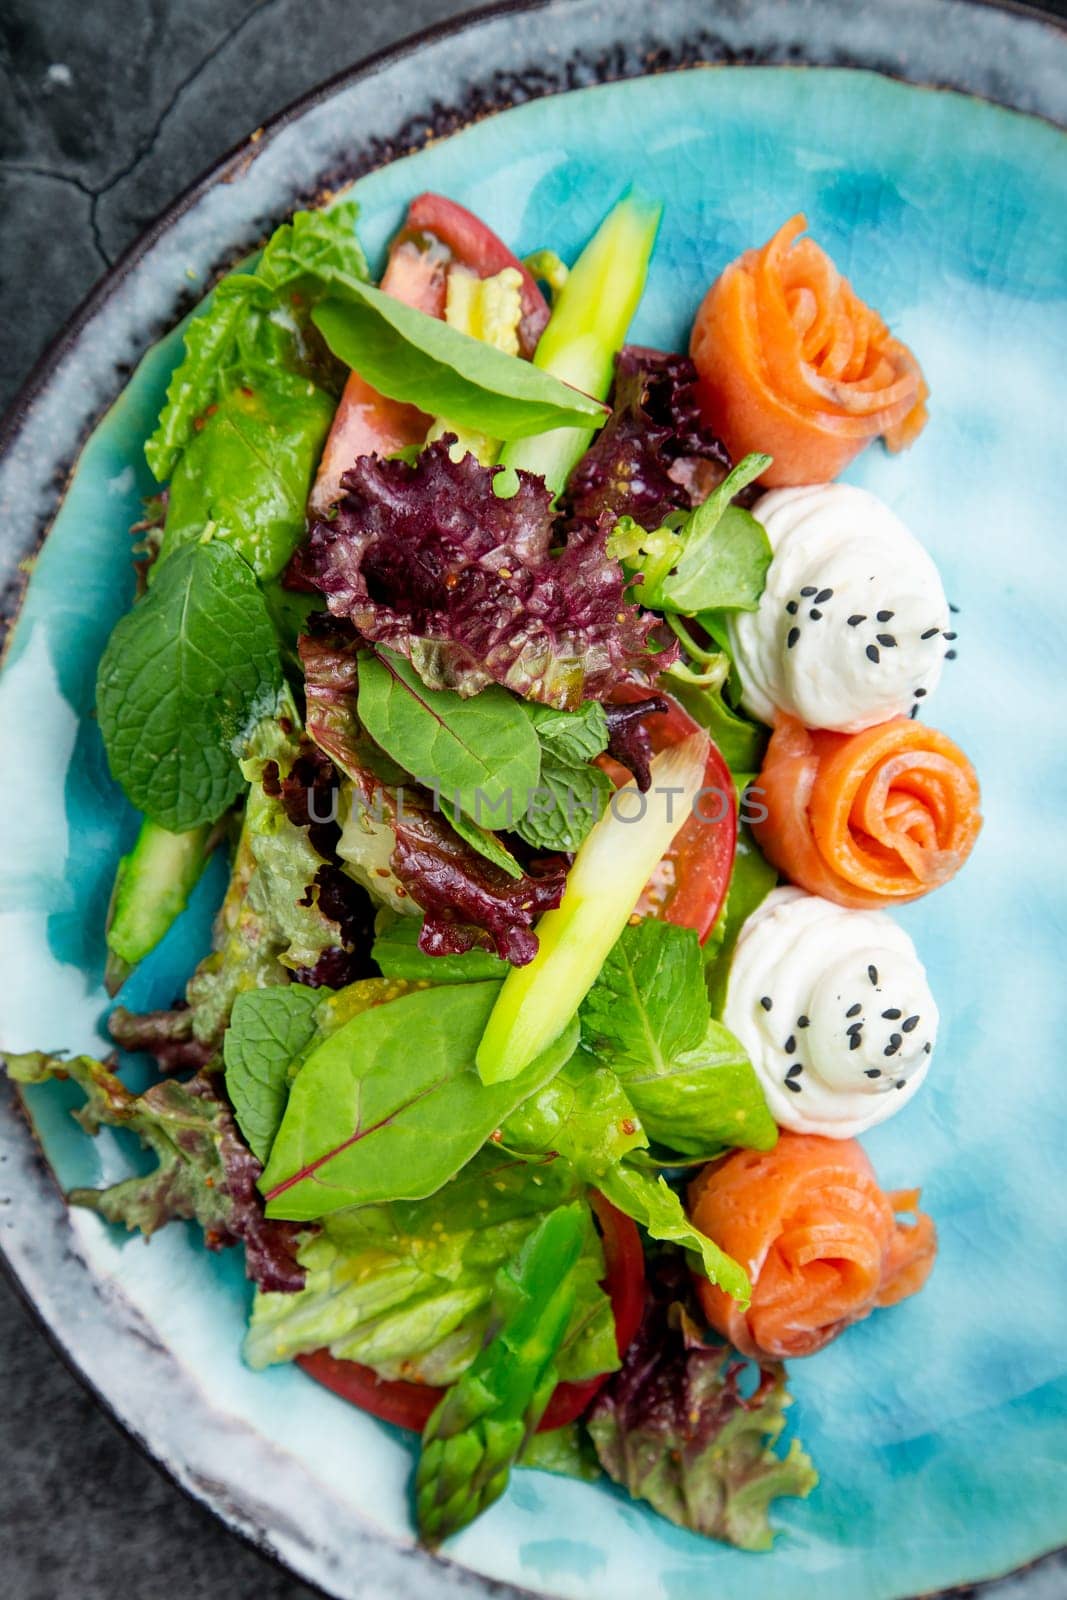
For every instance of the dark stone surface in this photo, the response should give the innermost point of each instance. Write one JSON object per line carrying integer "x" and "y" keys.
{"x": 108, "y": 110}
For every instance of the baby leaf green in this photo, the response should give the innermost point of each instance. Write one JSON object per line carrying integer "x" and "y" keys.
{"x": 184, "y": 676}
{"x": 410, "y": 356}
{"x": 390, "y": 1106}
{"x": 480, "y": 752}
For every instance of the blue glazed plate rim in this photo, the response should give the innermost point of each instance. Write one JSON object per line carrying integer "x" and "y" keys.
{"x": 481, "y": 100}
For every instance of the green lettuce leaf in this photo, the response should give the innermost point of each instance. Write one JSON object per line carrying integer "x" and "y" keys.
{"x": 253, "y": 327}
{"x": 647, "y": 1018}
{"x": 675, "y": 1428}
{"x": 405, "y": 1288}
{"x": 651, "y": 1201}
{"x": 583, "y": 1114}
{"x": 751, "y": 882}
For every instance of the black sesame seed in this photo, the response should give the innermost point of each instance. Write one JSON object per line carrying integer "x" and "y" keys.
{"x": 954, "y": 609}
{"x": 791, "y": 1083}
{"x": 854, "y": 621}
{"x": 895, "y": 1042}
{"x": 951, "y": 636}
{"x": 854, "y": 1027}
{"x": 792, "y": 637}
{"x": 872, "y": 653}
{"x": 872, "y": 973}
{"x": 910, "y": 1023}
{"x": 803, "y": 1022}
{"x": 893, "y": 1014}
{"x": 854, "y": 1011}
{"x": 795, "y": 1070}
{"x": 885, "y": 616}
{"x": 950, "y": 655}
{"x": 900, "y": 1083}
{"x": 886, "y": 640}
{"x": 792, "y": 607}
{"x": 927, "y": 1048}
{"x": 913, "y": 713}
{"x": 766, "y": 1002}
{"x": 816, "y": 616}
{"x": 930, "y": 633}
{"x": 920, "y": 694}
{"x": 807, "y": 591}
{"x": 873, "y": 1072}
{"x": 790, "y": 1044}
{"x": 823, "y": 595}
{"x": 855, "y": 1042}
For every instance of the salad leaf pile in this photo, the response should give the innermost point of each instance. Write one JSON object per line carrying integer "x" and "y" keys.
{"x": 407, "y": 720}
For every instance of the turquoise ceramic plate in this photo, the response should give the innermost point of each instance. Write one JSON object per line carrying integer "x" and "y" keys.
{"x": 939, "y": 1427}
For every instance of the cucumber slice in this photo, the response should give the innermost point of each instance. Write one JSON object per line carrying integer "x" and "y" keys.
{"x": 152, "y": 886}
{"x": 536, "y": 1002}
{"x": 588, "y": 327}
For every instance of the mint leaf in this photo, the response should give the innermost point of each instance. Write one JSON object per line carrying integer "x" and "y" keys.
{"x": 391, "y": 1105}
{"x": 648, "y": 1018}
{"x": 572, "y": 793}
{"x": 269, "y": 1028}
{"x": 480, "y": 752}
{"x": 183, "y": 678}
{"x": 413, "y": 357}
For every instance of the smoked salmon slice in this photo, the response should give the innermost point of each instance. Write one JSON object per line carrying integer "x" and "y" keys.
{"x": 792, "y": 362}
{"x": 818, "y": 1238}
{"x": 867, "y": 819}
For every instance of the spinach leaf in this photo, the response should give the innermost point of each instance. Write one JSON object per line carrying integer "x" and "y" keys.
{"x": 741, "y": 743}
{"x": 653, "y": 1203}
{"x": 647, "y": 1017}
{"x": 184, "y": 677}
{"x": 410, "y": 356}
{"x": 572, "y": 793}
{"x": 247, "y": 474}
{"x": 396, "y": 950}
{"x": 481, "y": 752}
{"x": 391, "y": 1106}
{"x": 250, "y": 323}
{"x": 268, "y": 1029}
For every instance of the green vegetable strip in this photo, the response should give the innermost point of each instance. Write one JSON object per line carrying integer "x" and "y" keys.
{"x": 152, "y": 887}
{"x": 483, "y": 1423}
{"x": 588, "y": 327}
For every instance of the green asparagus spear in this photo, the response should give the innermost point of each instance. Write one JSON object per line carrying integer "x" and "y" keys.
{"x": 483, "y": 1423}
{"x": 152, "y": 887}
{"x": 588, "y": 326}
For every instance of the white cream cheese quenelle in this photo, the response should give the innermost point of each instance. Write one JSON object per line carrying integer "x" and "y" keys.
{"x": 834, "y": 1010}
{"x": 853, "y": 626}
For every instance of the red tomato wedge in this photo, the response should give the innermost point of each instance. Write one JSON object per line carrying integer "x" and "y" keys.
{"x": 436, "y": 235}
{"x": 690, "y": 884}
{"x": 409, "y": 1405}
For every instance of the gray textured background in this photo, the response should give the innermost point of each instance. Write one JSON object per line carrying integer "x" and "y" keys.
{"x": 109, "y": 108}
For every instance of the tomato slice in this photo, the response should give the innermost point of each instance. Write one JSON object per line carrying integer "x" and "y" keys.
{"x": 409, "y": 1405}
{"x": 436, "y": 233}
{"x": 690, "y": 884}
{"x": 475, "y": 246}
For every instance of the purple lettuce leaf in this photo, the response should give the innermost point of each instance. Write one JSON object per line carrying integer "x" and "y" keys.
{"x": 429, "y": 560}
{"x": 629, "y": 742}
{"x": 466, "y": 901}
{"x": 653, "y": 455}
{"x": 680, "y": 1427}
{"x": 204, "y": 1171}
